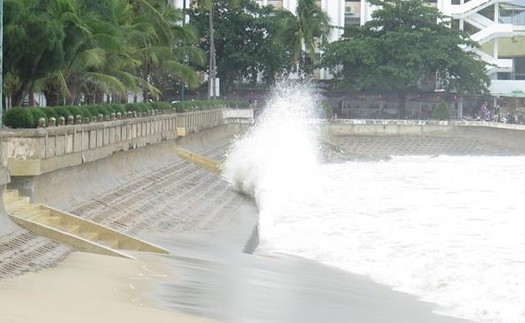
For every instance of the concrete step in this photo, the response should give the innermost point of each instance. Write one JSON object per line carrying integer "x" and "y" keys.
{"x": 113, "y": 244}
{"x": 50, "y": 221}
{"x": 17, "y": 203}
{"x": 89, "y": 235}
{"x": 69, "y": 228}
{"x": 10, "y": 195}
{"x": 81, "y": 234}
{"x": 29, "y": 211}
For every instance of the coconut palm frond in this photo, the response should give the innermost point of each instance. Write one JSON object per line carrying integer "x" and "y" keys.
{"x": 107, "y": 83}
{"x": 183, "y": 71}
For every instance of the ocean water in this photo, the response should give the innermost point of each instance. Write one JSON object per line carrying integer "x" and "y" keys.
{"x": 448, "y": 229}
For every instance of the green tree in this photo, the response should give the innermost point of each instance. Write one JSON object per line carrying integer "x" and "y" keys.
{"x": 303, "y": 33}
{"x": 89, "y": 44}
{"x": 162, "y": 44}
{"x": 209, "y": 7}
{"x": 74, "y": 49}
{"x": 33, "y": 46}
{"x": 406, "y": 42}
{"x": 246, "y": 49}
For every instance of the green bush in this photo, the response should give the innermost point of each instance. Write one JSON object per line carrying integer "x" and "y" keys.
{"x": 101, "y": 109}
{"x": 324, "y": 110}
{"x": 37, "y": 114}
{"x": 238, "y": 104}
{"x": 28, "y": 117}
{"x": 86, "y": 112}
{"x": 50, "y": 112}
{"x": 18, "y": 118}
{"x": 442, "y": 112}
{"x": 75, "y": 111}
{"x": 63, "y": 112}
{"x": 196, "y": 105}
{"x": 91, "y": 109}
{"x": 118, "y": 108}
{"x": 160, "y": 105}
{"x": 138, "y": 107}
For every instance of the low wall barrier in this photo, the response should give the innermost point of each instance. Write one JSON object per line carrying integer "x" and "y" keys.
{"x": 31, "y": 152}
{"x": 507, "y": 135}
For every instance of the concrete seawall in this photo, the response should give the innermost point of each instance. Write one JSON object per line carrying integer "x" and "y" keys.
{"x": 132, "y": 180}
{"x": 134, "y": 183}
{"x": 393, "y": 137}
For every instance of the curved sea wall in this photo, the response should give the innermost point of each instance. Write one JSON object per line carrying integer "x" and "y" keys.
{"x": 83, "y": 168}
{"x": 511, "y": 136}
{"x": 125, "y": 174}
{"x": 61, "y": 165}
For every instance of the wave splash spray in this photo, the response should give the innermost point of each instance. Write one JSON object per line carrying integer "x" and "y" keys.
{"x": 278, "y": 156}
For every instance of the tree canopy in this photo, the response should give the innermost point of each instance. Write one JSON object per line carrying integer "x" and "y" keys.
{"x": 245, "y": 47}
{"x": 406, "y": 43}
{"x": 75, "y": 50}
{"x": 302, "y": 33}
{"x": 253, "y": 42}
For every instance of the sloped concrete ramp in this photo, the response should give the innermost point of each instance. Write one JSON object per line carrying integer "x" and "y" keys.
{"x": 136, "y": 192}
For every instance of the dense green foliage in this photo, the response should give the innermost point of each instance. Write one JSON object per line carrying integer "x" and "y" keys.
{"x": 442, "y": 112}
{"x": 254, "y": 41}
{"x": 18, "y": 118}
{"x": 246, "y": 48}
{"x": 196, "y": 105}
{"x": 307, "y": 28}
{"x": 78, "y": 50}
{"x": 406, "y": 43}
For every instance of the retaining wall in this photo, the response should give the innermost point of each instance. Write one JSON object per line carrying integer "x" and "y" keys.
{"x": 26, "y": 155}
{"x": 511, "y": 136}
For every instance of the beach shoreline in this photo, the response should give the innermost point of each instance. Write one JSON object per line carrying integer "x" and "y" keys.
{"x": 88, "y": 288}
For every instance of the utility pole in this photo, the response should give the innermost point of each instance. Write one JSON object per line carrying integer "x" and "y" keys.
{"x": 212, "y": 72}
{"x": 1, "y": 61}
{"x": 182, "y": 85}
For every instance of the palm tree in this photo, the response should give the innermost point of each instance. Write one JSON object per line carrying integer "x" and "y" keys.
{"x": 113, "y": 45}
{"x": 86, "y": 48}
{"x": 304, "y": 31}
{"x": 90, "y": 46}
{"x": 157, "y": 34}
{"x": 35, "y": 46}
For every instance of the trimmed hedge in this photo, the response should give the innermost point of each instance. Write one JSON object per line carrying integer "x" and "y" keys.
{"x": 18, "y": 118}
{"x": 37, "y": 114}
{"x": 197, "y": 105}
{"x": 442, "y": 112}
{"x": 28, "y": 117}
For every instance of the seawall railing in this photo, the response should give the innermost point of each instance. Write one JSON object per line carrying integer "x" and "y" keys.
{"x": 31, "y": 152}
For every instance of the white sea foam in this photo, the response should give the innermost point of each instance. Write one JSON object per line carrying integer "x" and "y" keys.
{"x": 278, "y": 157}
{"x": 448, "y": 229}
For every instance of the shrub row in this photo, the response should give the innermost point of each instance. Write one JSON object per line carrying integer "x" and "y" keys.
{"x": 197, "y": 105}
{"x": 442, "y": 112}
{"x": 29, "y": 117}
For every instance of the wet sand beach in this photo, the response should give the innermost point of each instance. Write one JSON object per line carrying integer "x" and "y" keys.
{"x": 87, "y": 288}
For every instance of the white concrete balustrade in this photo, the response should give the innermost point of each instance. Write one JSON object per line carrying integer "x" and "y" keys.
{"x": 29, "y": 152}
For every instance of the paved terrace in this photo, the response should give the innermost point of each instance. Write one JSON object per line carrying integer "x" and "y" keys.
{"x": 147, "y": 188}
